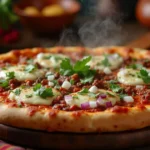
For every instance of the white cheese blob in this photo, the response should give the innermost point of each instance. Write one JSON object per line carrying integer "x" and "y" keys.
{"x": 129, "y": 77}
{"x": 21, "y": 74}
{"x": 50, "y": 60}
{"x": 78, "y": 99}
{"x": 107, "y": 70}
{"x": 66, "y": 85}
{"x": 93, "y": 89}
{"x": 28, "y": 96}
{"x": 128, "y": 99}
{"x": 114, "y": 60}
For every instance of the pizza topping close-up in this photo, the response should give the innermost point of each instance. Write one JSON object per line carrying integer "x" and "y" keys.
{"x": 82, "y": 82}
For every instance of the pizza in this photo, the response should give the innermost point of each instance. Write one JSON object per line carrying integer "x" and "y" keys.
{"x": 75, "y": 89}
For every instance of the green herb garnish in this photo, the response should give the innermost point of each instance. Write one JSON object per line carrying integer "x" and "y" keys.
{"x": 17, "y": 92}
{"x": 72, "y": 82}
{"x": 4, "y": 83}
{"x": 87, "y": 79}
{"x": 114, "y": 87}
{"x": 83, "y": 91}
{"x": 135, "y": 66}
{"x": 42, "y": 91}
{"x": 106, "y": 62}
{"x": 110, "y": 94}
{"x": 29, "y": 95}
{"x": 30, "y": 68}
{"x": 122, "y": 95}
{"x": 10, "y": 75}
{"x": 81, "y": 68}
{"x": 144, "y": 75}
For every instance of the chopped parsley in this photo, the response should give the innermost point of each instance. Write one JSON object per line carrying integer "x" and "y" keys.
{"x": 72, "y": 82}
{"x": 144, "y": 75}
{"x": 122, "y": 95}
{"x": 17, "y": 92}
{"x": 83, "y": 91}
{"x": 47, "y": 57}
{"x": 135, "y": 66}
{"x": 114, "y": 87}
{"x": 106, "y": 62}
{"x": 110, "y": 94}
{"x": 117, "y": 89}
{"x": 4, "y": 68}
{"x": 81, "y": 68}
{"x": 30, "y": 68}
{"x": 93, "y": 95}
{"x": 29, "y": 95}
{"x": 4, "y": 83}
{"x": 10, "y": 75}
{"x": 76, "y": 97}
{"x": 42, "y": 91}
{"x": 87, "y": 79}
{"x": 30, "y": 61}
{"x": 55, "y": 82}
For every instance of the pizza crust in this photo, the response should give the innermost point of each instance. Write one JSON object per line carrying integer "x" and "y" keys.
{"x": 79, "y": 121}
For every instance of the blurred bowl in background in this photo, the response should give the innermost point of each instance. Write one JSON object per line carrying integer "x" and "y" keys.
{"x": 54, "y": 19}
{"x": 143, "y": 12}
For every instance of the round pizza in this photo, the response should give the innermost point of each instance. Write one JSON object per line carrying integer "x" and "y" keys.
{"x": 75, "y": 89}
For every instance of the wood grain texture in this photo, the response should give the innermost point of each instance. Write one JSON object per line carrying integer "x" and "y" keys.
{"x": 38, "y": 139}
{"x": 141, "y": 42}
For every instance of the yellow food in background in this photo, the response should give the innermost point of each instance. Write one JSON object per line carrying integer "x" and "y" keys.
{"x": 31, "y": 11}
{"x": 52, "y": 10}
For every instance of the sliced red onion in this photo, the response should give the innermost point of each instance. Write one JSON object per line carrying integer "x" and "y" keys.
{"x": 100, "y": 102}
{"x": 103, "y": 96}
{"x": 99, "y": 99}
{"x": 68, "y": 99}
{"x": 85, "y": 105}
{"x": 109, "y": 104}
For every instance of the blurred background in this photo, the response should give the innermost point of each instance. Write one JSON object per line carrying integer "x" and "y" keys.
{"x": 46, "y": 23}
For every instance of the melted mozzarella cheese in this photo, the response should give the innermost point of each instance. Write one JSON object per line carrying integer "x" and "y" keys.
{"x": 114, "y": 60}
{"x": 28, "y": 96}
{"x": 129, "y": 77}
{"x": 21, "y": 74}
{"x": 78, "y": 99}
{"x": 50, "y": 60}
